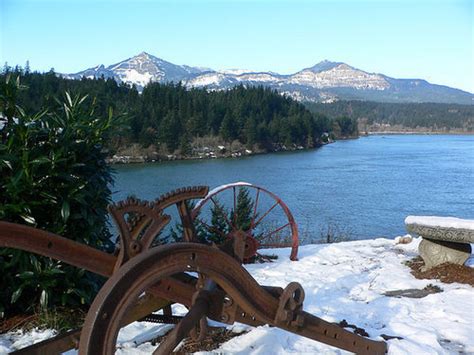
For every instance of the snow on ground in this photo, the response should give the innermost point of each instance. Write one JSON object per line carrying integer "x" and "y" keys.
{"x": 443, "y": 222}
{"x": 19, "y": 339}
{"x": 341, "y": 281}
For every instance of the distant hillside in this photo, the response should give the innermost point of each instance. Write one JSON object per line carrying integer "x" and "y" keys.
{"x": 171, "y": 120}
{"x": 435, "y": 116}
{"x": 324, "y": 82}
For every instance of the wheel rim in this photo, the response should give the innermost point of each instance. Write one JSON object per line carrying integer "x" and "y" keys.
{"x": 104, "y": 319}
{"x": 282, "y": 234}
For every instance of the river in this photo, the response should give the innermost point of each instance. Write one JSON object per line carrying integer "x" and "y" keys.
{"x": 359, "y": 189}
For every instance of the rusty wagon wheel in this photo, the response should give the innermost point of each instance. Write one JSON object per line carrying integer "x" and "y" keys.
{"x": 227, "y": 294}
{"x": 262, "y": 218}
{"x": 150, "y": 272}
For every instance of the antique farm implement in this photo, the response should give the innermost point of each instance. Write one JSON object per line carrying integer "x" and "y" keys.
{"x": 145, "y": 276}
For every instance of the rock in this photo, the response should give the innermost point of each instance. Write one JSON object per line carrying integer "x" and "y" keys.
{"x": 413, "y": 292}
{"x": 406, "y": 239}
{"x": 442, "y": 228}
{"x": 436, "y": 252}
{"x": 457, "y": 235}
{"x": 445, "y": 239}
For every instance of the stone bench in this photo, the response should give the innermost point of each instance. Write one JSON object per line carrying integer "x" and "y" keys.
{"x": 445, "y": 239}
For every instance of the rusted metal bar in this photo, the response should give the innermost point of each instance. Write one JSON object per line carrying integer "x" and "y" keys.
{"x": 275, "y": 231}
{"x": 266, "y": 214}
{"x": 53, "y": 346}
{"x": 199, "y": 309}
{"x": 189, "y": 233}
{"x": 223, "y": 212}
{"x": 51, "y": 245}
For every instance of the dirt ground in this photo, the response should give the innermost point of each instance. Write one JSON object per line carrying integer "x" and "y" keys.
{"x": 447, "y": 273}
{"x": 213, "y": 339}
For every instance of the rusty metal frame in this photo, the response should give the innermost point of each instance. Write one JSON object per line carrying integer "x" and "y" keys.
{"x": 121, "y": 291}
{"x": 144, "y": 279}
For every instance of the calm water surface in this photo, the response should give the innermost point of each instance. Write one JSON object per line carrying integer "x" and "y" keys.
{"x": 364, "y": 187}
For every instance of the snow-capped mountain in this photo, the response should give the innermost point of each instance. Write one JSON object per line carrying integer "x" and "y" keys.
{"x": 324, "y": 82}
{"x": 325, "y": 75}
{"x": 140, "y": 70}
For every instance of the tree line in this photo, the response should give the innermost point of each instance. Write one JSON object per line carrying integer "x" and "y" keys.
{"x": 171, "y": 116}
{"x": 412, "y": 115}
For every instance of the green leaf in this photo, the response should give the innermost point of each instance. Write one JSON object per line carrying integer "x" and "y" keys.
{"x": 68, "y": 98}
{"x": 56, "y": 271}
{"x": 41, "y": 160}
{"x": 44, "y": 299}
{"x": 65, "y": 211}
{"x": 7, "y": 163}
{"x": 26, "y": 275}
{"x": 28, "y": 219}
{"x": 16, "y": 294}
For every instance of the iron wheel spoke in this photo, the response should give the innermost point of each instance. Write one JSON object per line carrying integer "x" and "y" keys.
{"x": 211, "y": 228}
{"x": 252, "y": 223}
{"x": 223, "y": 213}
{"x": 265, "y": 214}
{"x": 274, "y": 232}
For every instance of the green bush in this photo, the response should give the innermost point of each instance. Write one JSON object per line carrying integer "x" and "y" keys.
{"x": 53, "y": 176}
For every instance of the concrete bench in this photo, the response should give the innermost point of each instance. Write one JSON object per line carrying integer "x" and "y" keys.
{"x": 445, "y": 239}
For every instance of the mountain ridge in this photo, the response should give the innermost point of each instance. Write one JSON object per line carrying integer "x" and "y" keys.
{"x": 326, "y": 81}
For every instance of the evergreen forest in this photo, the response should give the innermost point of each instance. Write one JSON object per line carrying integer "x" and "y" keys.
{"x": 412, "y": 115}
{"x": 171, "y": 117}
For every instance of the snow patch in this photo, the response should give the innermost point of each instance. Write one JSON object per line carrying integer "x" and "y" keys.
{"x": 206, "y": 79}
{"x": 341, "y": 281}
{"x": 132, "y": 76}
{"x": 235, "y": 71}
{"x": 442, "y": 222}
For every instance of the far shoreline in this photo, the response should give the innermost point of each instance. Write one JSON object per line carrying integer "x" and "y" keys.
{"x": 130, "y": 160}
{"x": 414, "y": 133}
{"x": 341, "y": 139}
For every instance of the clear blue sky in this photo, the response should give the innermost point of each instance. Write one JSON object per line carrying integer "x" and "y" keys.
{"x": 432, "y": 40}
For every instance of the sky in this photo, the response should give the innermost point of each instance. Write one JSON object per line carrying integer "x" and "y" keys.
{"x": 432, "y": 40}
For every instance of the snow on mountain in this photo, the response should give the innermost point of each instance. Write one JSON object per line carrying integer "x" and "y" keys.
{"x": 323, "y": 65}
{"x": 324, "y": 82}
{"x": 95, "y": 72}
{"x": 234, "y": 71}
{"x": 259, "y": 78}
{"x": 142, "y": 69}
{"x": 341, "y": 75}
{"x": 211, "y": 80}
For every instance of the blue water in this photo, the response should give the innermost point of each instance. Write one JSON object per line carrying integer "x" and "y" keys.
{"x": 360, "y": 189}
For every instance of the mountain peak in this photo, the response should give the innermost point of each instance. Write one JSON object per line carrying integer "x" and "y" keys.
{"x": 323, "y": 82}
{"x": 323, "y": 66}
{"x": 144, "y": 56}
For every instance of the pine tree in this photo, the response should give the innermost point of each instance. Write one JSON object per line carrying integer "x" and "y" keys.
{"x": 244, "y": 210}
{"x": 185, "y": 145}
{"x": 218, "y": 223}
{"x": 250, "y": 131}
{"x": 228, "y": 130}
{"x": 169, "y": 131}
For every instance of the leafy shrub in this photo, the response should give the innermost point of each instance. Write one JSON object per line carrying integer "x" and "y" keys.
{"x": 53, "y": 176}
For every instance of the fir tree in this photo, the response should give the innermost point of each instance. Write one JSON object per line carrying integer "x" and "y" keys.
{"x": 219, "y": 224}
{"x": 244, "y": 210}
